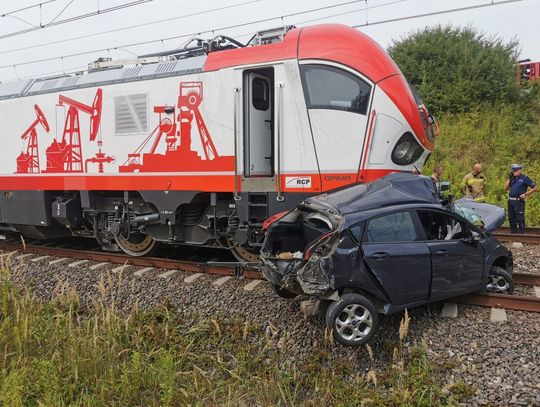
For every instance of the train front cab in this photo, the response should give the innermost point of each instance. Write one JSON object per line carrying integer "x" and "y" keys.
{"x": 337, "y": 113}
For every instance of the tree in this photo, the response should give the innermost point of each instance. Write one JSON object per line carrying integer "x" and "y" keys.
{"x": 455, "y": 69}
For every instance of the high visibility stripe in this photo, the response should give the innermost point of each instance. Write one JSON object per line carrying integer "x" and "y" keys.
{"x": 190, "y": 182}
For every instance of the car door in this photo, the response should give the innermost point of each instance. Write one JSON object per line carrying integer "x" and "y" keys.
{"x": 457, "y": 262}
{"x": 394, "y": 250}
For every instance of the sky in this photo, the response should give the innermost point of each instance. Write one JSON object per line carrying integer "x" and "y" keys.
{"x": 109, "y": 33}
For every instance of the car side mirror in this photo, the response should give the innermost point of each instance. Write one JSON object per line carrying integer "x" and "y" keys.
{"x": 444, "y": 186}
{"x": 473, "y": 238}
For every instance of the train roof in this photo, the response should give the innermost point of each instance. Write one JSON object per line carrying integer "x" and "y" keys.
{"x": 331, "y": 42}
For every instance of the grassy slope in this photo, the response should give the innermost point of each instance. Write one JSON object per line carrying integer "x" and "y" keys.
{"x": 496, "y": 137}
{"x": 57, "y": 354}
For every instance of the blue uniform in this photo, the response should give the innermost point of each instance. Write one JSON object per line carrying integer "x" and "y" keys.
{"x": 519, "y": 185}
{"x": 516, "y": 206}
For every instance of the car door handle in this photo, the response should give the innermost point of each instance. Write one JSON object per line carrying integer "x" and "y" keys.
{"x": 380, "y": 256}
{"x": 441, "y": 252}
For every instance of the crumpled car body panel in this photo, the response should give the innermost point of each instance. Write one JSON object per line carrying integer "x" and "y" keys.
{"x": 316, "y": 249}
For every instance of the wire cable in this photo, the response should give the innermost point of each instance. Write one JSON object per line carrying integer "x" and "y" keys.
{"x": 491, "y": 3}
{"x": 435, "y": 13}
{"x": 197, "y": 13}
{"x": 61, "y": 12}
{"x": 76, "y": 18}
{"x": 182, "y": 35}
{"x": 27, "y": 8}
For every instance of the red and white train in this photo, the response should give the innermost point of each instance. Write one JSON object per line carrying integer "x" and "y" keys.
{"x": 201, "y": 144}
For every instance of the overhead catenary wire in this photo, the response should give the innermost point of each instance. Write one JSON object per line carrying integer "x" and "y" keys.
{"x": 61, "y": 12}
{"x": 435, "y": 13}
{"x": 26, "y": 8}
{"x": 187, "y": 35}
{"x": 76, "y": 18}
{"x": 446, "y": 11}
{"x": 194, "y": 14}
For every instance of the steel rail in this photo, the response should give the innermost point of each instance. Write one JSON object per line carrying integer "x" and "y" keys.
{"x": 530, "y": 236}
{"x": 521, "y": 303}
{"x": 515, "y": 302}
{"x": 234, "y": 269}
{"x": 510, "y": 237}
{"x": 526, "y": 279}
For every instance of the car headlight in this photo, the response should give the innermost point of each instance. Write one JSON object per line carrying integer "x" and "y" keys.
{"x": 407, "y": 150}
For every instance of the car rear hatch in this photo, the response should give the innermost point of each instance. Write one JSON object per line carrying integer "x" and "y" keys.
{"x": 296, "y": 253}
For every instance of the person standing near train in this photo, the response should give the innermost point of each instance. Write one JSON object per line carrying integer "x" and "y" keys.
{"x": 473, "y": 184}
{"x": 519, "y": 188}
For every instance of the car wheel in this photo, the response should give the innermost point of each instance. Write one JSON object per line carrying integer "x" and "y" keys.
{"x": 282, "y": 292}
{"x": 499, "y": 281}
{"x": 352, "y": 319}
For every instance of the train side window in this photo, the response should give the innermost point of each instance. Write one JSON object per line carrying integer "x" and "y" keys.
{"x": 260, "y": 94}
{"x": 327, "y": 87}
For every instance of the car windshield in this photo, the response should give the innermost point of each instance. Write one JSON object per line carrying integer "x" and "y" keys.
{"x": 468, "y": 214}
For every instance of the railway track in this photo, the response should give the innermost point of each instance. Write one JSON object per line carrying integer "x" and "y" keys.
{"x": 250, "y": 271}
{"x": 221, "y": 268}
{"x": 531, "y": 235}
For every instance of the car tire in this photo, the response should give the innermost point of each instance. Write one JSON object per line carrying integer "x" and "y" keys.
{"x": 282, "y": 292}
{"x": 352, "y": 319}
{"x": 500, "y": 281}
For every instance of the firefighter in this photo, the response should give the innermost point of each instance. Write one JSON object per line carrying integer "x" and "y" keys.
{"x": 474, "y": 183}
{"x": 519, "y": 187}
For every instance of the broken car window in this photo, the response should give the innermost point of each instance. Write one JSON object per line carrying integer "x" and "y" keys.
{"x": 439, "y": 226}
{"x": 394, "y": 227}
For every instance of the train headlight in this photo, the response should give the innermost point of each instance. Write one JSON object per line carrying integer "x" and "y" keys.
{"x": 407, "y": 150}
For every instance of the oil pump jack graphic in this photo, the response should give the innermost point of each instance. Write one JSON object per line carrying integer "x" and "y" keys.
{"x": 28, "y": 162}
{"x": 179, "y": 155}
{"x": 67, "y": 155}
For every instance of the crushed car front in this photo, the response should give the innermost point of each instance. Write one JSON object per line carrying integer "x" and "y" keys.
{"x": 297, "y": 251}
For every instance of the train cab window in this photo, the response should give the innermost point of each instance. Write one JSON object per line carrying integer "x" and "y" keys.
{"x": 260, "y": 94}
{"x": 327, "y": 87}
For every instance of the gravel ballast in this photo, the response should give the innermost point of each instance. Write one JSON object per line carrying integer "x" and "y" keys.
{"x": 500, "y": 361}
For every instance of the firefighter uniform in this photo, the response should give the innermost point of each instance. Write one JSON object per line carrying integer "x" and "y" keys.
{"x": 517, "y": 186}
{"x": 473, "y": 186}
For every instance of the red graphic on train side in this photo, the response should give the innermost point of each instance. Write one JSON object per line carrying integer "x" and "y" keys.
{"x": 174, "y": 126}
{"x": 67, "y": 155}
{"x": 28, "y": 161}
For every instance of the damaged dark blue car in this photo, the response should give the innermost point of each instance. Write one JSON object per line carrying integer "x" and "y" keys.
{"x": 381, "y": 247}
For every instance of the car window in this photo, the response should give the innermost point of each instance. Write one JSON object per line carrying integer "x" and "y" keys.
{"x": 394, "y": 227}
{"x": 356, "y": 232}
{"x": 327, "y": 87}
{"x": 440, "y": 226}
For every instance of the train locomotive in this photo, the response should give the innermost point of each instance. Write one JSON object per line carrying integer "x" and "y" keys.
{"x": 201, "y": 144}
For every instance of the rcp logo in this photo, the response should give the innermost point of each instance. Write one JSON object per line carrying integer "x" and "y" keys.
{"x": 298, "y": 182}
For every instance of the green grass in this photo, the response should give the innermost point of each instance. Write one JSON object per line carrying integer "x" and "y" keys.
{"x": 496, "y": 137}
{"x": 57, "y": 353}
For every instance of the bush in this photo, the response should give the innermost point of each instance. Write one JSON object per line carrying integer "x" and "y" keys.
{"x": 495, "y": 136}
{"x": 457, "y": 69}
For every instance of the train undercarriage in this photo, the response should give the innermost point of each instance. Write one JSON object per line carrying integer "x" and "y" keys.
{"x": 136, "y": 221}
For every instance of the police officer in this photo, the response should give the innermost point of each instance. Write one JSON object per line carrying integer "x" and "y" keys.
{"x": 520, "y": 187}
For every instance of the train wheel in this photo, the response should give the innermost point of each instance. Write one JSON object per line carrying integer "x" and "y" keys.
{"x": 245, "y": 255}
{"x": 137, "y": 245}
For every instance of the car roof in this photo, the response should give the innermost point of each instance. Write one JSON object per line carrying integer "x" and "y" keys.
{"x": 355, "y": 217}
{"x": 396, "y": 189}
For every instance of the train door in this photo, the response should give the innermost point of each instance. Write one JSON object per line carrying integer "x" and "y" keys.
{"x": 259, "y": 123}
